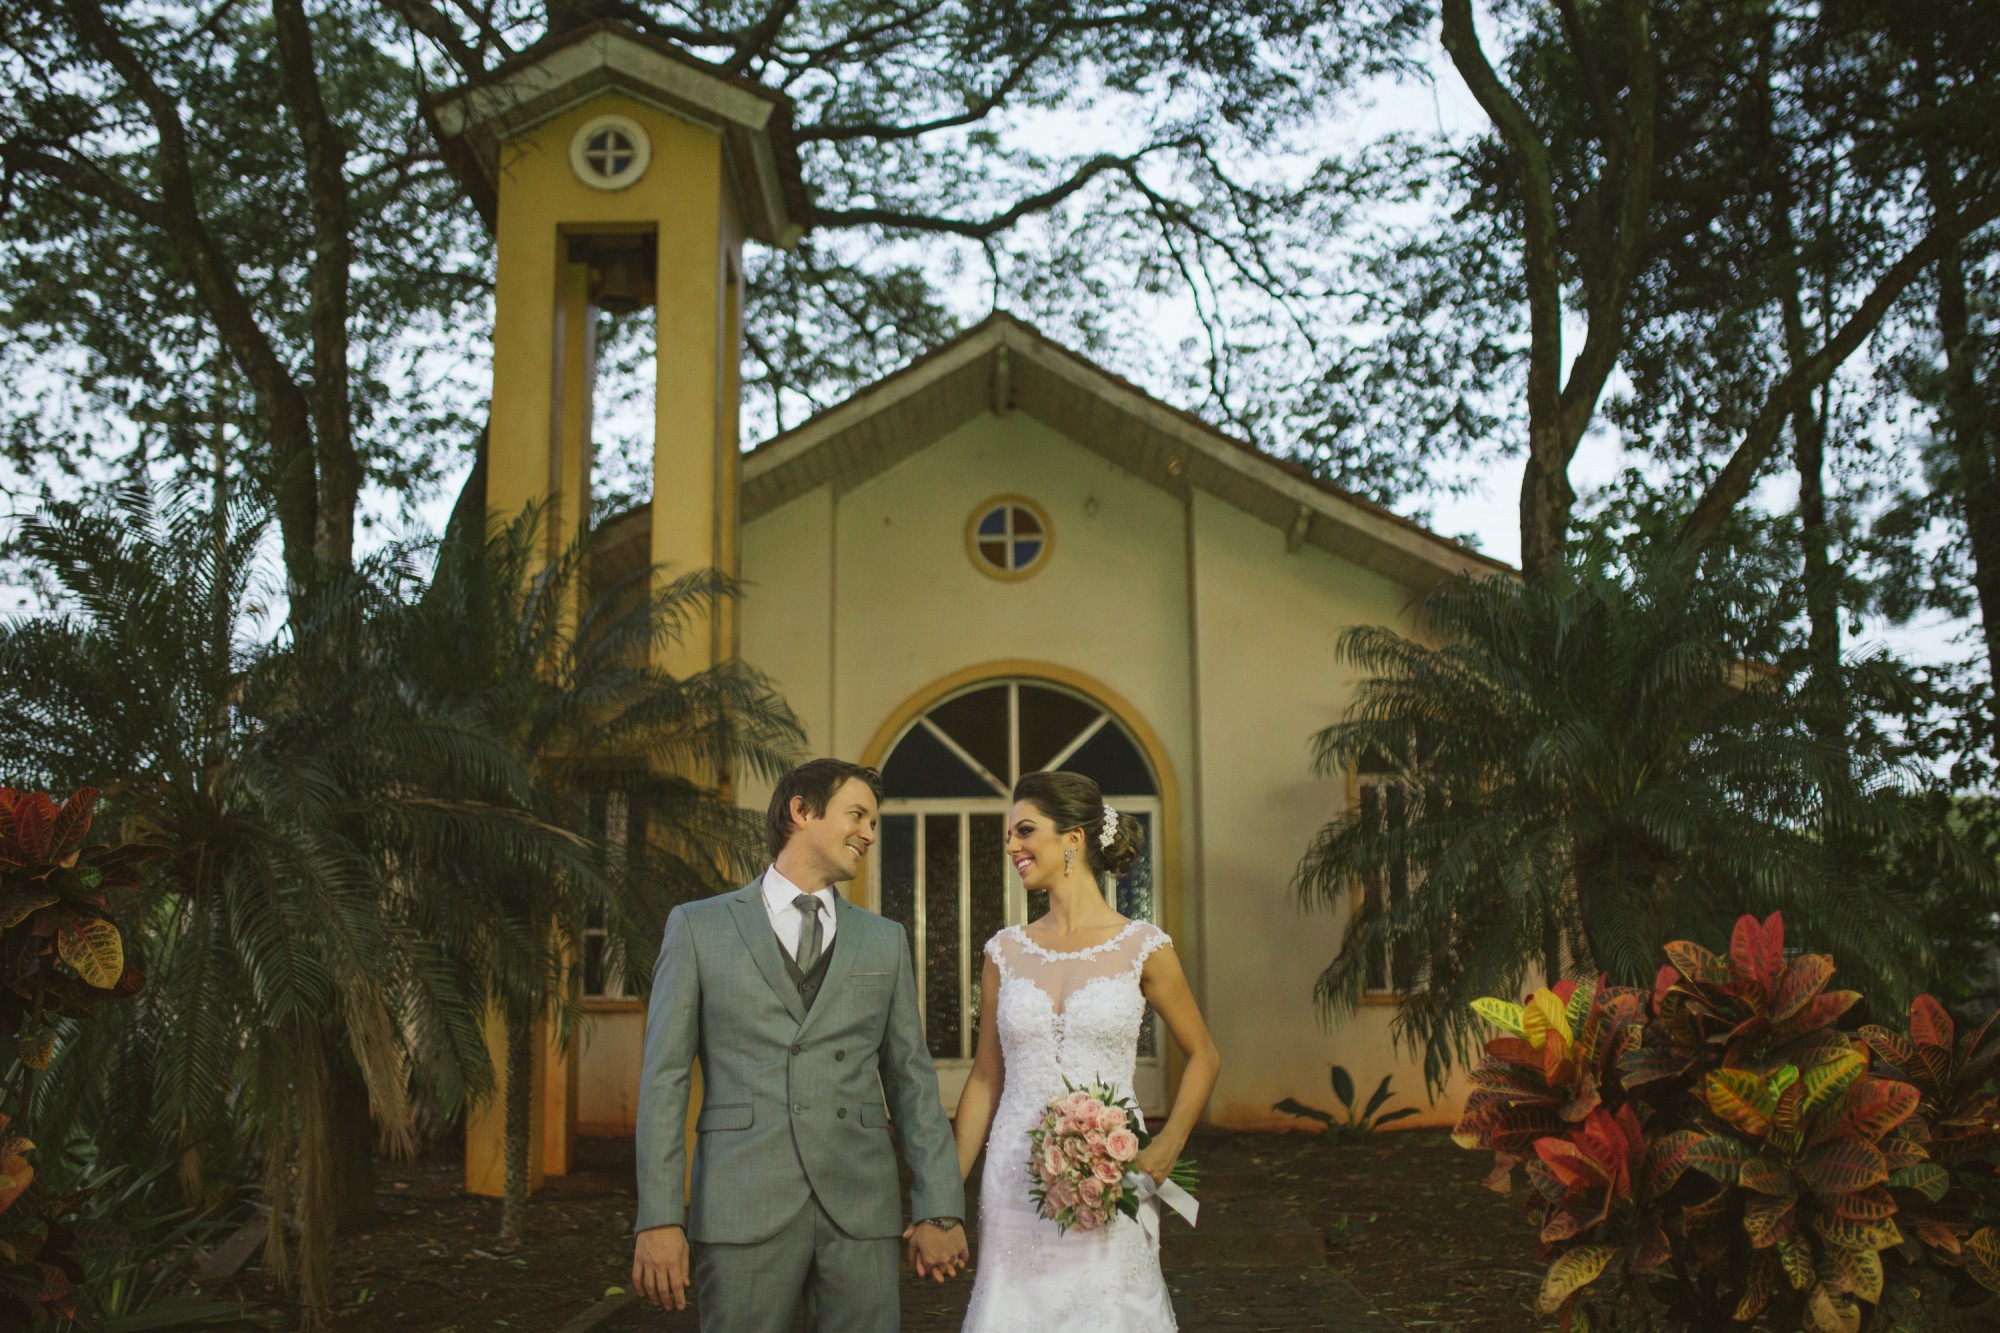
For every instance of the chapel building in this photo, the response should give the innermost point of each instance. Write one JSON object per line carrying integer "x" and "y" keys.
{"x": 999, "y": 558}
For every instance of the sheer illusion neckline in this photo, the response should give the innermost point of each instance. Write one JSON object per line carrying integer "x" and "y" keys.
{"x": 1054, "y": 955}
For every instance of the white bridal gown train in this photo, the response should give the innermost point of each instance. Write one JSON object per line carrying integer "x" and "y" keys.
{"x": 1072, "y": 1016}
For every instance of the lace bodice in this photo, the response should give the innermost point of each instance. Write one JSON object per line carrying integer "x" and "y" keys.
{"x": 1072, "y": 1016}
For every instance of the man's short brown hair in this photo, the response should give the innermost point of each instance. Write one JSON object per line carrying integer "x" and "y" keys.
{"x": 813, "y": 782}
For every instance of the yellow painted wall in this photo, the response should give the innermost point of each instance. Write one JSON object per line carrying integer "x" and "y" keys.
{"x": 1268, "y": 681}
{"x": 609, "y": 1044}
{"x": 538, "y": 450}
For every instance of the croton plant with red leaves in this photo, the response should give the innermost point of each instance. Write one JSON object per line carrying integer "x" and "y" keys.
{"x": 1722, "y": 1153}
{"x": 61, "y": 954}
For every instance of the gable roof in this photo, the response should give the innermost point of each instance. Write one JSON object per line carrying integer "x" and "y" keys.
{"x": 472, "y": 121}
{"x": 1002, "y": 364}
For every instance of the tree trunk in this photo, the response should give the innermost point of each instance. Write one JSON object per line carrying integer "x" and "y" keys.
{"x": 519, "y": 1123}
{"x": 350, "y": 1145}
{"x": 1966, "y": 431}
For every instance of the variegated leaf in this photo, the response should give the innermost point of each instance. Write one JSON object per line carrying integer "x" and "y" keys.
{"x": 1571, "y": 1273}
{"x": 1982, "y": 1257}
{"x": 1501, "y": 1014}
{"x": 1927, "y": 1178}
{"x": 92, "y": 946}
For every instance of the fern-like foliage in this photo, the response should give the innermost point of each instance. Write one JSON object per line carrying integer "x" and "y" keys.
{"x": 1590, "y": 768}
{"x": 374, "y": 826}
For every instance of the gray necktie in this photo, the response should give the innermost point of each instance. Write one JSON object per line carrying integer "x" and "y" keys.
{"x": 809, "y": 928}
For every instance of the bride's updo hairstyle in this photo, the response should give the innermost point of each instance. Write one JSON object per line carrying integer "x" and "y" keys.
{"x": 1071, "y": 800}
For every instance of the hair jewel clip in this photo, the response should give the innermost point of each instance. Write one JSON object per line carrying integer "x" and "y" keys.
{"x": 1109, "y": 830}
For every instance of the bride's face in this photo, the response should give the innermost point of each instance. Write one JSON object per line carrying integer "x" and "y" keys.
{"x": 1034, "y": 845}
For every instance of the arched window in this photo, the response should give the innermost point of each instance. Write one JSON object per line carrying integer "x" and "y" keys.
{"x": 941, "y": 866}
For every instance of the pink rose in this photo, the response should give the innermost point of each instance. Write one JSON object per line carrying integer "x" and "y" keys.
{"x": 1077, "y": 1122}
{"x": 1107, "y": 1171}
{"x": 1076, "y": 1104}
{"x": 1092, "y": 1191}
{"x": 1094, "y": 1140}
{"x": 1116, "y": 1117}
{"x": 1052, "y": 1163}
{"x": 1122, "y": 1144}
{"x": 1061, "y": 1195}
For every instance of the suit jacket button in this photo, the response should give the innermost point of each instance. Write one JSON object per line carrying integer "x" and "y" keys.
{"x": 840, "y": 1055}
{"x": 841, "y": 1114}
{"x": 798, "y": 1108}
{"x": 798, "y": 1048}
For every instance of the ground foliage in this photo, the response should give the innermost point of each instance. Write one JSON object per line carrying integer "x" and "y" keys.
{"x": 1718, "y": 1151}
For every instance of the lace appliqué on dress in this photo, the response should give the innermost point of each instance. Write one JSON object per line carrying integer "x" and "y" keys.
{"x": 1072, "y": 1016}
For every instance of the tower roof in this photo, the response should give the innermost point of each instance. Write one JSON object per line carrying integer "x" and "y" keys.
{"x": 473, "y": 120}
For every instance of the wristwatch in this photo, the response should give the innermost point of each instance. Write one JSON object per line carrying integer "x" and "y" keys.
{"x": 941, "y": 1223}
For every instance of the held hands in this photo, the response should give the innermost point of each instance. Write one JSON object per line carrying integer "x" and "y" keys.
{"x": 936, "y": 1252}
{"x": 660, "y": 1266}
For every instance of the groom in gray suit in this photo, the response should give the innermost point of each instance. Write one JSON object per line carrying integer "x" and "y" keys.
{"x": 803, "y": 1011}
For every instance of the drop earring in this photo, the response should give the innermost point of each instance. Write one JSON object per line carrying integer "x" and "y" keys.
{"x": 1069, "y": 861}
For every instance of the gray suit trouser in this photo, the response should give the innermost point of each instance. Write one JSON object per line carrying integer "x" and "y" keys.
{"x": 849, "y": 1285}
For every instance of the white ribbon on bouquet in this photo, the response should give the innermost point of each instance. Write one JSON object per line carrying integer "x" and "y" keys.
{"x": 1152, "y": 1195}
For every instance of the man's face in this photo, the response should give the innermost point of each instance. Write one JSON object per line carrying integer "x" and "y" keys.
{"x": 837, "y": 842}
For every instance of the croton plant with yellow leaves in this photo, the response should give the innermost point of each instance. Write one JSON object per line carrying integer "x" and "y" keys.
{"x": 61, "y": 954}
{"x": 1723, "y": 1153}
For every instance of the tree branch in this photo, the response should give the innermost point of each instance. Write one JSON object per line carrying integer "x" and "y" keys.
{"x": 1546, "y": 496}
{"x": 1760, "y": 439}
{"x": 892, "y": 219}
{"x": 1605, "y": 337}
{"x": 974, "y": 113}
{"x": 332, "y": 261}
{"x": 426, "y": 20}
{"x": 758, "y": 37}
{"x": 280, "y": 402}
{"x": 85, "y": 178}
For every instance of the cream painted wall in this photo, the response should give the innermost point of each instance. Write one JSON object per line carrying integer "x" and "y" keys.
{"x": 909, "y": 607}
{"x": 1269, "y": 680}
{"x": 858, "y": 601}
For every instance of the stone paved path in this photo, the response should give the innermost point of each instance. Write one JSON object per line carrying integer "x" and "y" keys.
{"x": 1255, "y": 1264}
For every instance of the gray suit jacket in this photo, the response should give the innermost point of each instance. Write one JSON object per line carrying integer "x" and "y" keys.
{"x": 792, "y": 1101}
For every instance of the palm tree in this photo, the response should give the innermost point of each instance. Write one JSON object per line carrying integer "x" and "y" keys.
{"x": 565, "y": 674}
{"x": 1582, "y": 770}
{"x": 290, "y": 784}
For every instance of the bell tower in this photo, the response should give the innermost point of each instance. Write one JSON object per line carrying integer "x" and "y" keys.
{"x": 616, "y": 173}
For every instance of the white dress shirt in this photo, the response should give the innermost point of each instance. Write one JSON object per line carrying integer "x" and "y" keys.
{"x": 786, "y": 919}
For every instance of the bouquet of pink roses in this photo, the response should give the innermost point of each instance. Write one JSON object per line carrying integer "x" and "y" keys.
{"x": 1080, "y": 1160}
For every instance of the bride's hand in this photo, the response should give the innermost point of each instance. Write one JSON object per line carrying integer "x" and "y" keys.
{"x": 1156, "y": 1159}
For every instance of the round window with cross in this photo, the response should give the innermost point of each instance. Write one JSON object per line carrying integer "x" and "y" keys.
{"x": 1009, "y": 537}
{"x": 610, "y": 152}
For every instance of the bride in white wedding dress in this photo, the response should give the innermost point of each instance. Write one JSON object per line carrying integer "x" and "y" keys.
{"x": 1064, "y": 997}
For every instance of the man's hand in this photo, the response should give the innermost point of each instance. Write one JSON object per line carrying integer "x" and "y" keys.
{"x": 660, "y": 1266}
{"x": 937, "y": 1252}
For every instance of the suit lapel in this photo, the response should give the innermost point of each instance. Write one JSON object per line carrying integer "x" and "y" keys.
{"x": 754, "y": 924}
{"x": 841, "y": 961}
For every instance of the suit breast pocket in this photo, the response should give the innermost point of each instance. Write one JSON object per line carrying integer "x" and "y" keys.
{"x": 867, "y": 980}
